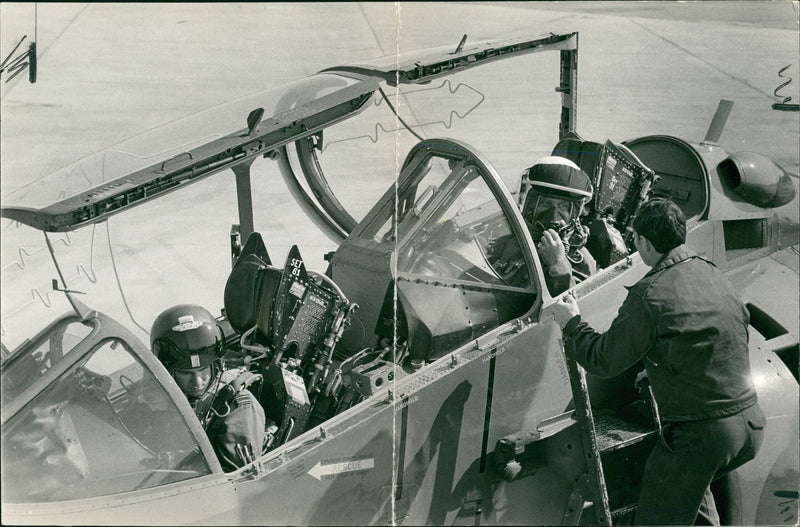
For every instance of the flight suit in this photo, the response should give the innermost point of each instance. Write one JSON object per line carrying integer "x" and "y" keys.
{"x": 561, "y": 276}
{"x": 234, "y": 421}
{"x": 506, "y": 258}
{"x": 688, "y": 324}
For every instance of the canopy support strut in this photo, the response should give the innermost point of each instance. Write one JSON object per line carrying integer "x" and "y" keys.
{"x": 244, "y": 197}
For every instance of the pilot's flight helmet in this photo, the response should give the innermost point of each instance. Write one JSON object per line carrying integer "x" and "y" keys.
{"x": 554, "y": 177}
{"x": 186, "y": 336}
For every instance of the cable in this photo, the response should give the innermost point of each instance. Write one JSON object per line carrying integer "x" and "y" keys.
{"x": 391, "y": 107}
{"x": 324, "y": 278}
{"x": 783, "y": 85}
{"x": 119, "y": 283}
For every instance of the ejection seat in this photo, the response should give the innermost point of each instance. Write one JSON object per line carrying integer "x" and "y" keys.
{"x": 680, "y": 173}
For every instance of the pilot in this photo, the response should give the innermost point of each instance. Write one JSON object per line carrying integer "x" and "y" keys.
{"x": 690, "y": 328}
{"x": 188, "y": 342}
{"x": 552, "y": 194}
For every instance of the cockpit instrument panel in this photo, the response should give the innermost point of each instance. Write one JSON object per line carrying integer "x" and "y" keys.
{"x": 621, "y": 184}
{"x": 618, "y": 183}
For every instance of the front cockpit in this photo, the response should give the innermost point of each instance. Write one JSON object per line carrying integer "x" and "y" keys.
{"x": 440, "y": 244}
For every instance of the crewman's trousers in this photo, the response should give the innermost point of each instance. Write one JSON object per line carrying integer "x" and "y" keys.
{"x": 690, "y": 455}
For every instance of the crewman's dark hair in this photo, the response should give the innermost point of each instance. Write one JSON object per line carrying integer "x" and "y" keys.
{"x": 662, "y": 223}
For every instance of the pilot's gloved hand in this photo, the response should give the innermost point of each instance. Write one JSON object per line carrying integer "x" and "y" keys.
{"x": 269, "y": 438}
{"x": 551, "y": 249}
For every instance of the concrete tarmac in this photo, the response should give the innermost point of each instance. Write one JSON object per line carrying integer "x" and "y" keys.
{"x": 110, "y": 71}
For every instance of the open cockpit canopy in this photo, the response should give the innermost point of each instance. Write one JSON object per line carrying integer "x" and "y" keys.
{"x": 159, "y": 161}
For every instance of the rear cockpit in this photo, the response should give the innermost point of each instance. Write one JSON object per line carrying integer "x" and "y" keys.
{"x": 435, "y": 241}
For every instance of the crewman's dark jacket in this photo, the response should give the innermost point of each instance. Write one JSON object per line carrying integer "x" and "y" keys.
{"x": 688, "y": 323}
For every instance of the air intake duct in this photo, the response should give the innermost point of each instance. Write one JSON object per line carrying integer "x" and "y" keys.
{"x": 757, "y": 179}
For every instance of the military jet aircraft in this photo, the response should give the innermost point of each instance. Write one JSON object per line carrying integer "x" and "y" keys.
{"x": 411, "y": 382}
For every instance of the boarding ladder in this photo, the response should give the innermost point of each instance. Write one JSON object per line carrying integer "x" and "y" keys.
{"x": 600, "y": 433}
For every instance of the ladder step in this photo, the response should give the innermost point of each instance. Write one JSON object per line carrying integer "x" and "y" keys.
{"x": 615, "y": 431}
{"x": 623, "y": 511}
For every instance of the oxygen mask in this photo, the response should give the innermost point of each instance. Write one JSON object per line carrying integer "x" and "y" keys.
{"x": 548, "y": 212}
{"x": 560, "y": 215}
